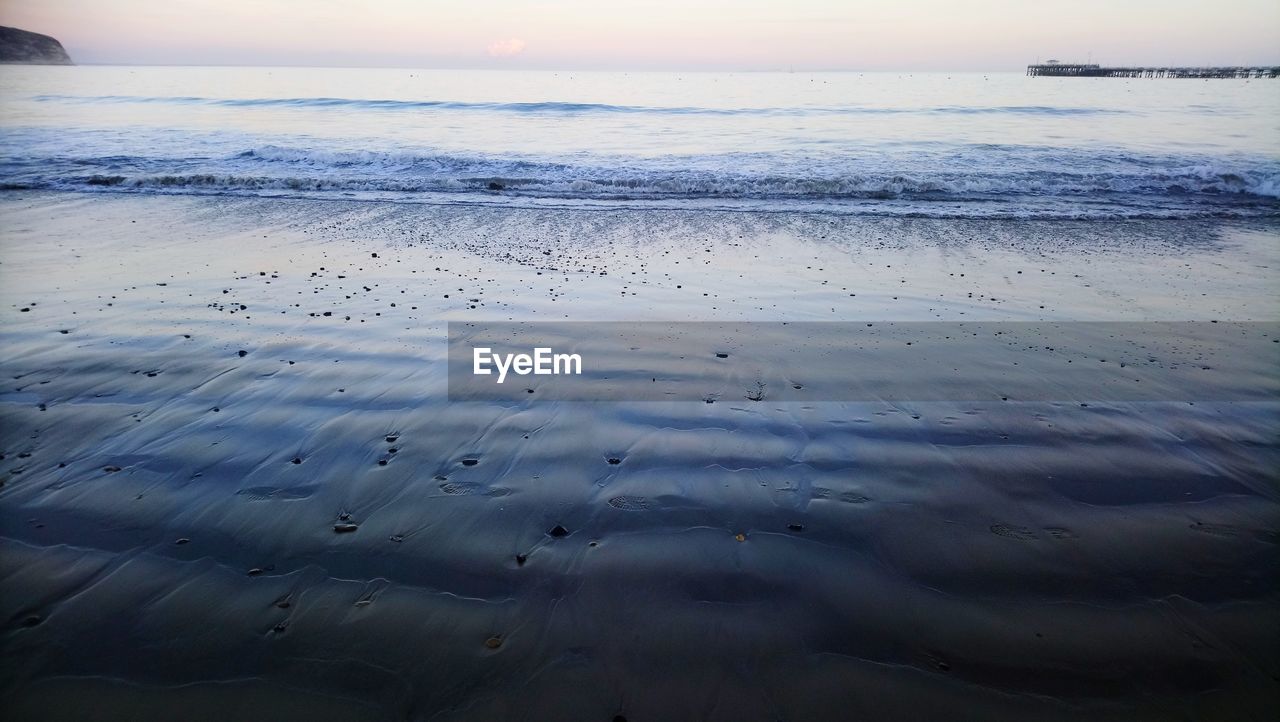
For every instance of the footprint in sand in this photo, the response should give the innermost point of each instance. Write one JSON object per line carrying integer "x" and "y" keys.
{"x": 848, "y": 497}
{"x": 629, "y": 503}
{"x": 266, "y": 493}
{"x": 468, "y": 488}
{"x": 1007, "y": 531}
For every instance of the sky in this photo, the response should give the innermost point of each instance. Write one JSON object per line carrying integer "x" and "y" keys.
{"x": 955, "y": 35}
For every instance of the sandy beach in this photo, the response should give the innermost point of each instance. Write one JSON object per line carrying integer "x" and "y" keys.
{"x": 233, "y": 479}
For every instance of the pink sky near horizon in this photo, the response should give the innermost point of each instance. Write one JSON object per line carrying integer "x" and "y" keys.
{"x": 658, "y": 34}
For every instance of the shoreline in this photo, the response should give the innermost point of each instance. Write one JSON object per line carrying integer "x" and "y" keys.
{"x": 169, "y": 500}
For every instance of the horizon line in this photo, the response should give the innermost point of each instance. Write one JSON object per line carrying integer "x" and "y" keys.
{"x": 1016, "y": 70}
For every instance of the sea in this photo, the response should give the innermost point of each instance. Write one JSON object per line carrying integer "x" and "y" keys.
{"x": 933, "y": 145}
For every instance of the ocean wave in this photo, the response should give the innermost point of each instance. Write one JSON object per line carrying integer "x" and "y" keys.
{"x": 985, "y": 181}
{"x": 409, "y": 171}
{"x": 556, "y": 107}
{"x": 693, "y": 185}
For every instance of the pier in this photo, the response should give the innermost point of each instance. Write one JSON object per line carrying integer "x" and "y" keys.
{"x": 1055, "y": 69}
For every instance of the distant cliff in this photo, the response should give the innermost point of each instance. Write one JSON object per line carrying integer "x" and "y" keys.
{"x": 20, "y": 46}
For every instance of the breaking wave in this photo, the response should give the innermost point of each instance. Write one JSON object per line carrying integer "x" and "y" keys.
{"x": 1015, "y": 182}
{"x": 555, "y": 107}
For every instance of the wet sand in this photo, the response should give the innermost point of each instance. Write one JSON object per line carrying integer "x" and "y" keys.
{"x": 234, "y": 486}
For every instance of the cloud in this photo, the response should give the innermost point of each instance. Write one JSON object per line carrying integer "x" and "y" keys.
{"x": 506, "y": 48}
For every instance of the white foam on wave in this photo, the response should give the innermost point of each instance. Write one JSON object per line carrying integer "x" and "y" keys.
{"x": 1007, "y": 179}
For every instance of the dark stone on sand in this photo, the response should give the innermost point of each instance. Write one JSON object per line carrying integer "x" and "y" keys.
{"x": 521, "y": 559}
{"x": 614, "y": 460}
{"x": 345, "y": 527}
{"x": 495, "y": 186}
{"x": 181, "y": 540}
{"x": 722, "y": 355}
{"x": 296, "y": 460}
{"x": 254, "y": 572}
{"x": 391, "y": 438}
{"x": 470, "y": 462}
{"x": 242, "y": 353}
{"x": 111, "y": 469}
{"x": 397, "y": 538}
{"x": 558, "y": 531}
{"x": 23, "y": 47}
{"x": 796, "y": 527}
{"x": 493, "y": 642}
